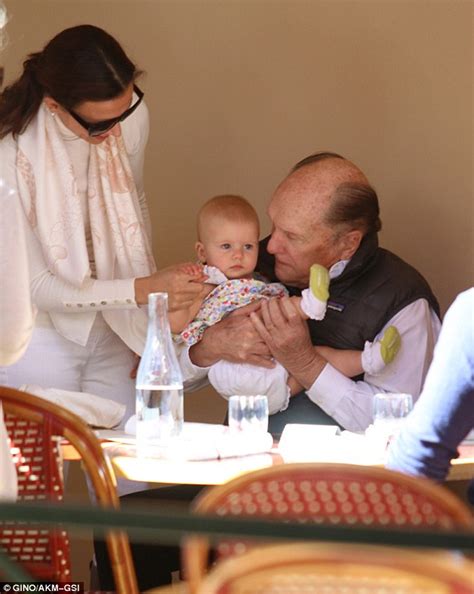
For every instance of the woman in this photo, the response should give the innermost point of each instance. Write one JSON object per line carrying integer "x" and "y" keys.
{"x": 73, "y": 130}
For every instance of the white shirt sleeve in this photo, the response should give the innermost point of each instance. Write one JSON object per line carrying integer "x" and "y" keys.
{"x": 50, "y": 293}
{"x": 350, "y": 402}
{"x": 194, "y": 377}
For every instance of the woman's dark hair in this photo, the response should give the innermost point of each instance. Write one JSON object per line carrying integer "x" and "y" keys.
{"x": 83, "y": 63}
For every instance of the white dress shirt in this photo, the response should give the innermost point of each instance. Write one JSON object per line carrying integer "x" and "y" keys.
{"x": 350, "y": 402}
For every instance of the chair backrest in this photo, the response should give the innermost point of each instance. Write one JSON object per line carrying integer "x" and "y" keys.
{"x": 35, "y": 427}
{"x": 36, "y": 455}
{"x": 323, "y": 493}
{"x": 322, "y": 568}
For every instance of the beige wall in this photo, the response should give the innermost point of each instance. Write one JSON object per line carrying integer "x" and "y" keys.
{"x": 239, "y": 90}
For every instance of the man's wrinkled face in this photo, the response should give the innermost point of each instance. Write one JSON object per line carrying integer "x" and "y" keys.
{"x": 300, "y": 237}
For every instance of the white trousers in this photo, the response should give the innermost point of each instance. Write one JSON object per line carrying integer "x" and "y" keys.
{"x": 101, "y": 367}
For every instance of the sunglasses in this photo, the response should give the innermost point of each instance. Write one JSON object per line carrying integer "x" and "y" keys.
{"x": 98, "y": 128}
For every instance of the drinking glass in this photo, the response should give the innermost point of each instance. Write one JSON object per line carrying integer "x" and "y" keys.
{"x": 389, "y": 411}
{"x": 248, "y": 413}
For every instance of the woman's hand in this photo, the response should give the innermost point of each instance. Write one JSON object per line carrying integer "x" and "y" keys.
{"x": 183, "y": 283}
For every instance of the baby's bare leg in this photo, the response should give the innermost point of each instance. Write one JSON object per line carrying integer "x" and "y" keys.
{"x": 347, "y": 362}
{"x": 373, "y": 359}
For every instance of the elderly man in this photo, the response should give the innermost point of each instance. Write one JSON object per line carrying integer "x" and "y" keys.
{"x": 326, "y": 212}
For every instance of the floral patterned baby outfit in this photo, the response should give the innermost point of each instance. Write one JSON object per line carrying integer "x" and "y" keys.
{"x": 227, "y": 296}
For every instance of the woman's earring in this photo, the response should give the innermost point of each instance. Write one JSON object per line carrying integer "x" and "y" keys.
{"x": 53, "y": 114}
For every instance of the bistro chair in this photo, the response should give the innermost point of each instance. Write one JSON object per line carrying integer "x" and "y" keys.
{"x": 321, "y": 568}
{"x": 36, "y": 427}
{"x": 338, "y": 494}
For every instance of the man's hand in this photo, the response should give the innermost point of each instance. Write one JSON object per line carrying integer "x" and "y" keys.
{"x": 233, "y": 339}
{"x": 286, "y": 334}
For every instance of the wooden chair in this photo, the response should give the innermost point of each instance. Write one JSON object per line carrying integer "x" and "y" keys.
{"x": 322, "y": 568}
{"x": 323, "y": 493}
{"x": 35, "y": 427}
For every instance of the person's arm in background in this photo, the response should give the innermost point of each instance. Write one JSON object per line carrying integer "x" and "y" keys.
{"x": 16, "y": 311}
{"x": 347, "y": 401}
{"x": 444, "y": 413}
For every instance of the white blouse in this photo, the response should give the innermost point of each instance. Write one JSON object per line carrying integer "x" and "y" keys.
{"x": 50, "y": 293}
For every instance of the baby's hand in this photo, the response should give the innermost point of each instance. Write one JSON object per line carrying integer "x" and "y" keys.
{"x": 195, "y": 271}
{"x": 297, "y": 302}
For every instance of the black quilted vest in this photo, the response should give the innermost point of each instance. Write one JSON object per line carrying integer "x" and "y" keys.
{"x": 374, "y": 286}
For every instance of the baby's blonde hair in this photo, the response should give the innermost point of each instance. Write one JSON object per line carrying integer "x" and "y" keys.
{"x": 228, "y": 208}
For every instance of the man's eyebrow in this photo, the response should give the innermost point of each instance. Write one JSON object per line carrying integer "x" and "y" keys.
{"x": 295, "y": 232}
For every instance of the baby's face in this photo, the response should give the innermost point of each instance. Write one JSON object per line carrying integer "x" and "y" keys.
{"x": 231, "y": 247}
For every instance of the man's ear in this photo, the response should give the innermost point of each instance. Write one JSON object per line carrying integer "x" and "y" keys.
{"x": 200, "y": 251}
{"x": 51, "y": 104}
{"x": 350, "y": 243}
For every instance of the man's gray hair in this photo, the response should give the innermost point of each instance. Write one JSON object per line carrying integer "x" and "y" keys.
{"x": 353, "y": 205}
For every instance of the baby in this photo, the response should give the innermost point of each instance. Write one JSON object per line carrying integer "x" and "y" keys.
{"x": 227, "y": 248}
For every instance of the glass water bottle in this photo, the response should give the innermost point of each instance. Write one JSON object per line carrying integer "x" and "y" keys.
{"x": 159, "y": 386}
